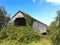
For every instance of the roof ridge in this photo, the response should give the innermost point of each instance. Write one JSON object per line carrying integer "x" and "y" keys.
{"x": 29, "y": 15}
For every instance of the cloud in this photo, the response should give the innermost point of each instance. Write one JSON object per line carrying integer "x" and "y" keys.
{"x": 34, "y": 1}
{"x": 56, "y": 2}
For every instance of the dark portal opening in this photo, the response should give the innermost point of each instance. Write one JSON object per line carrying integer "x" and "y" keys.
{"x": 20, "y": 22}
{"x": 44, "y": 33}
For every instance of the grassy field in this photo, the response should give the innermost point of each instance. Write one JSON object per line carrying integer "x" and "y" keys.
{"x": 23, "y": 36}
{"x": 41, "y": 42}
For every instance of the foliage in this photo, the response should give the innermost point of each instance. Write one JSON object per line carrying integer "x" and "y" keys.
{"x": 51, "y": 29}
{"x": 3, "y": 17}
{"x": 20, "y": 34}
{"x": 29, "y": 19}
{"x": 54, "y": 30}
{"x": 41, "y": 42}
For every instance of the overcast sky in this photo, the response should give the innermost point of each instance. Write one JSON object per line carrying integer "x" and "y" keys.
{"x": 42, "y": 10}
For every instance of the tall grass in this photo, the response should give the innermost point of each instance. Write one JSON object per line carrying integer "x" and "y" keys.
{"x": 22, "y": 34}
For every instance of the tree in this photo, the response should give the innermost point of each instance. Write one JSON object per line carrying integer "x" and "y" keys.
{"x": 3, "y": 17}
{"x": 58, "y": 19}
{"x": 54, "y": 29}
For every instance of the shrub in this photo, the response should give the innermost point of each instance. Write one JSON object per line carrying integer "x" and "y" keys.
{"x": 20, "y": 34}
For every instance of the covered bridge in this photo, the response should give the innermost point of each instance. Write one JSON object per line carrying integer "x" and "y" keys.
{"x": 23, "y": 19}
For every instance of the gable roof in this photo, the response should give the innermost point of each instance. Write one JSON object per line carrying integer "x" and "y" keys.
{"x": 29, "y": 16}
{"x": 17, "y": 13}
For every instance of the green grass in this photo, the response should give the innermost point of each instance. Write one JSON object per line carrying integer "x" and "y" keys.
{"x": 23, "y": 35}
{"x": 41, "y": 42}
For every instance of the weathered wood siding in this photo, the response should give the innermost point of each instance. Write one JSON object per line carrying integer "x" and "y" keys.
{"x": 39, "y": 27}
{"x": 19, "y": 15}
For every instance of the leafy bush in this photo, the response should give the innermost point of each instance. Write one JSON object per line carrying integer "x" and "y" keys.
{"x": 54, "y": 30}
{"x": 20, "y": 34}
